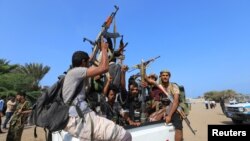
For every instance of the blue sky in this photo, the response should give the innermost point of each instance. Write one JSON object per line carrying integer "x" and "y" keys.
{"x": 204, "y": 43}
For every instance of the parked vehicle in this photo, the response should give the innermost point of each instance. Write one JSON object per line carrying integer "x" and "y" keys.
{"x": 153, "y": 131}
{"x": 239, "y": 112}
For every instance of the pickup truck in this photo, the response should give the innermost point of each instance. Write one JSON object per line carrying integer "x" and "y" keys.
{"x": 152, "y": 131}
{"x": 239, "y": 112}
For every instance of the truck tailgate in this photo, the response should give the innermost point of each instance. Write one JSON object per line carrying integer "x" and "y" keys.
{"x": 154, "y": 132}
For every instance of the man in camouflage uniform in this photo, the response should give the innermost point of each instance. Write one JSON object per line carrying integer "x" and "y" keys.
{"x": 19, "y": 118}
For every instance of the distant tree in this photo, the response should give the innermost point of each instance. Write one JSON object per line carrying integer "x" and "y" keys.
{"x": 16, "y": 82}
{"x": 35, "y": 70}
{"x": 216, "y": 95}
{"x": 5, "y": 67}
{"x": 229, "y": 93}
{"x": 199, "y": 97}
{"x": 14, "y": 78}
{"x": 6, "y": 94}
{"x": 32, "y": 96}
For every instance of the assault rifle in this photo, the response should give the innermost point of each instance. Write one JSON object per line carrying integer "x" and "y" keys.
{"x": 179, "y": 109}
{"x": 104, "y": 32}
{"x": 142, "y": 68}
{"x": 138, "y": 66}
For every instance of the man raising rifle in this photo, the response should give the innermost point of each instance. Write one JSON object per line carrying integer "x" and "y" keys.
{"x": 84, "y": 123}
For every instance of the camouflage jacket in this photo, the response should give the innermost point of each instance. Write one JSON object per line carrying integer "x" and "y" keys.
{"x": 19, "y": 119}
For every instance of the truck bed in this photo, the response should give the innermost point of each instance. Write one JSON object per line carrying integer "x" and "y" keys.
{"x": 153, "y": 131}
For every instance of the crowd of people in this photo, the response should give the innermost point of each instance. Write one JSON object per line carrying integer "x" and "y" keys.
{"x": 116, "y": 104}
{"x": 17, "y": 112}
{"x": 105, "y": 101}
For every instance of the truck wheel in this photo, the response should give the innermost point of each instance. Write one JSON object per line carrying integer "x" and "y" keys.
{"x": 235, "y": 121}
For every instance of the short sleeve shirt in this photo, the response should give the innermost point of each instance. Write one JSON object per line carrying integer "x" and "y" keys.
{"x": 72, "y": 79}
{"x": 173, "y": 89}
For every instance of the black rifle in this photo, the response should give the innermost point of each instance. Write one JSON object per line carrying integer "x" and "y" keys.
{"x": 117, "y": 54}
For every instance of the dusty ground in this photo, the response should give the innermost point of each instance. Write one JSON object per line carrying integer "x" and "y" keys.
{"x": 199, "y": 117}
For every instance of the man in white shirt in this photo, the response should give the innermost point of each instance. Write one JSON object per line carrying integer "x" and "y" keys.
{"x": 11, "y": 106}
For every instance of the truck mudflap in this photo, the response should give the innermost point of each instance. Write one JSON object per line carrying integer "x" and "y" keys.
{"x": 153, "y": 131}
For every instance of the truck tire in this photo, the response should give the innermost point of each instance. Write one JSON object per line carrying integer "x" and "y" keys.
{"x": 236, "y": 121}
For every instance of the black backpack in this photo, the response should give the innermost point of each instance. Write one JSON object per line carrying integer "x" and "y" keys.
{"x": 50, "y": 112}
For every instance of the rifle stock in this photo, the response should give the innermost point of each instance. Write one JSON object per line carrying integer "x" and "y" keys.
{"x": 179, "y": 109}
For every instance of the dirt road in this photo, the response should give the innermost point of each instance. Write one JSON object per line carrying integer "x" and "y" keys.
{"x": 200, "y": 118}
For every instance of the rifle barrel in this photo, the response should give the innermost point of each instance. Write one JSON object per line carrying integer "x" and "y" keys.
{"x": 192, "y": 130}
{"x": 145, "y": 63}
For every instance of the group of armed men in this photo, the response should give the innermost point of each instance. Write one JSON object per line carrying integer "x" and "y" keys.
{"x": 108, "y": 106}
{"x": 129, "y": 106}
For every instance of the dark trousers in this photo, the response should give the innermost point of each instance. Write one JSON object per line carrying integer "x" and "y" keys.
{"x": 15, "y": 131}
{"x": 7, "y": 118}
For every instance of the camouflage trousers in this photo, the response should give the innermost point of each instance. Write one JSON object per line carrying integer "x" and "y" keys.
{"x": 15, "y": 132}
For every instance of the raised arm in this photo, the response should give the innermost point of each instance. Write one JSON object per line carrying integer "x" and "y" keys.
{"x": 103, "y": 66}
{"x": 123, "y": 77}
{"x": 106, "y": 87}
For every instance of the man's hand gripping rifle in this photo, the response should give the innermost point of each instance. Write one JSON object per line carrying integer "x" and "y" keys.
{"x": 179, "y": 109}
{"x": 104, "y": 32}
